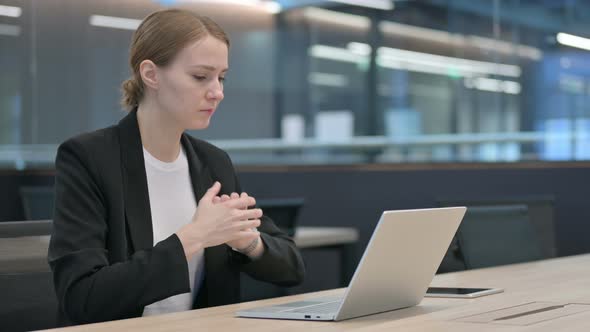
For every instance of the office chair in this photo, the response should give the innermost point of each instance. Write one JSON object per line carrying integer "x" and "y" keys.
{"x": 283, "y": 211}
{"x": 541, "y": 212}
{"x": 27, "y": 300}
{"x": 38, "y": 202}
{"x": 497, "y": 235}
{"x": 453, "y": 260}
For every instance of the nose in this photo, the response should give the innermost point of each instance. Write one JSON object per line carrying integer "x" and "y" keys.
{"x": 215, "y": 92}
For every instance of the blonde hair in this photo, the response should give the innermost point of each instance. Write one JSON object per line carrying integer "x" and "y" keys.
{"x": 160, "y": 37}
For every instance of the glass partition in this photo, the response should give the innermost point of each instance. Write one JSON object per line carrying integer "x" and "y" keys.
{"x": 320, "y": 82}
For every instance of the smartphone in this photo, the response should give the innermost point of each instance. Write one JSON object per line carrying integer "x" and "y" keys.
{"x": 459, "y": 292}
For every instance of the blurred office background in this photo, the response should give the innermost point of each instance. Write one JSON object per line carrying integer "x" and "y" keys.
{"x": 321, "y": 82}
{"x": 337, "y": 110}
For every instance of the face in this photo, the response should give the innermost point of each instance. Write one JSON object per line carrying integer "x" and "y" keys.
{"x": 191, "y": 87}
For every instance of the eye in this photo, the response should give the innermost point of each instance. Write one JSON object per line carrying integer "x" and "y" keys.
{"x": 222, "y": 79}
{"x": 199, "y": 78}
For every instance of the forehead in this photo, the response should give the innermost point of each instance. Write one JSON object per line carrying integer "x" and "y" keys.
{"x": 208, "y": 51}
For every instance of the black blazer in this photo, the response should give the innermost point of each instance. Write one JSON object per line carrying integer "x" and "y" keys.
{"x": 104, "y": 263}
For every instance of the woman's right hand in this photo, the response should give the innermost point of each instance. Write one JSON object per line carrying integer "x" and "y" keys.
{"x": 214, "y": 224}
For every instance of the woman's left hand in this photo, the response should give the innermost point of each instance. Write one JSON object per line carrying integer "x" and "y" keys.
{"x": 240, "y": 244}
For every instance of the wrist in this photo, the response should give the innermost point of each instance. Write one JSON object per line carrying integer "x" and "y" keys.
{"x": 254, "y": 250}
{"x": 249, "y": 248}
{"x": 190, "y": 247}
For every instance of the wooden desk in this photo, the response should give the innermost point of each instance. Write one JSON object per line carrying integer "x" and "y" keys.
{"x": 311, "y": 237}
{"x": 24, "y": 254}
{"x": 557, "y": 280}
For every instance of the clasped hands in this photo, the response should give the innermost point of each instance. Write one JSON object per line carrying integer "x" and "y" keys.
{"x": 222, "y": 219}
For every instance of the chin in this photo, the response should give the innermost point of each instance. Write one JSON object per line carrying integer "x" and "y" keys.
{"x": 199, "y": 125}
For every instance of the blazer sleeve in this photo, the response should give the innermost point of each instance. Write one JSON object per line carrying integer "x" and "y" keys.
{"x": 281, "y": 263}
{"x": 89, "y": 288}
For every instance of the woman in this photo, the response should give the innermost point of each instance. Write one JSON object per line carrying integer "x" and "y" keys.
{"x": 127, "y": 241}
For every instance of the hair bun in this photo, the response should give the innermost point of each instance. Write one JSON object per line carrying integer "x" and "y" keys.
{"x": 132, "y": 92}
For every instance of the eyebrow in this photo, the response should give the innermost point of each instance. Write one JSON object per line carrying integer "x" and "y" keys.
{"x": 210, "y": 68}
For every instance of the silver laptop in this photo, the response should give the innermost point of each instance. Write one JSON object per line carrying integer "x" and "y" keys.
{"x": 397, "y": 267}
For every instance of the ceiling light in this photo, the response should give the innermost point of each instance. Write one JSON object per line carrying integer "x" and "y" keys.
{"x": 452, "y": 64}
{"x": 327, "y": 79}
{"x": 9, "y": 30}
{"x": 10, "y": 11}
{"x": 336, "y": 53}
{"x": 573, "y": 41}
{"x": 492, "y": 85}
{"x": 333, "y": 17}
{"x": 413, "y": 61}
{"x": 272, "y": 7}
{"x": 377, "y": 4}
{"x": 114, "y": 22}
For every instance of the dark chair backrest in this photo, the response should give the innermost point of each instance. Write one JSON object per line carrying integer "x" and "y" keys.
{"x": 541, "y": 213}
{"x": 453, "y": 260}
{"x": 38, "y": 202}
{"x": 27, "y": 296}
{"x": 497, "y": 235}
{"x": 283, "y": 211}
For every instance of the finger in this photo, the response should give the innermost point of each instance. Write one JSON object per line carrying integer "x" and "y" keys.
{"x": 247, "y": 214}
{"x": 241, "y": 203}
{"x": 246, "y": 225}
{"x": 243, "y": 195}
{"x": 250, "y": 234}
{"x": 224, "y": 198}
{"x": 236, "y": 195}
{"x": 216, "y": 199}
{"x": 212, "y": 192}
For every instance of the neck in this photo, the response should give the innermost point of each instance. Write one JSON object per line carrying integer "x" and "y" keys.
{"x": 160, "y": 135}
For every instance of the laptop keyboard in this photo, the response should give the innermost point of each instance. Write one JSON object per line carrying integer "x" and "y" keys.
{"x": 322, "y": 308}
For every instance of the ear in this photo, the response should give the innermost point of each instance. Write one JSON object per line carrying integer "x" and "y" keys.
{"x": 149, "y": 74}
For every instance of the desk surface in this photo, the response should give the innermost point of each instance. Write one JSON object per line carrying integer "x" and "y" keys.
{"x": 310, "y": 237}
{"x": 24, "y": 254}
{"x": 562, "y": 280}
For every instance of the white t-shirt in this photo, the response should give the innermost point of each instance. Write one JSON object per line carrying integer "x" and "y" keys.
{"x": 172, "y": 204}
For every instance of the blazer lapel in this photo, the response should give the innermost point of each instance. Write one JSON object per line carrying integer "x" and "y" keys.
{"x": 216, "y": 266}
{"x": 201, "y": 178}
{"x": 137, "y": 202}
